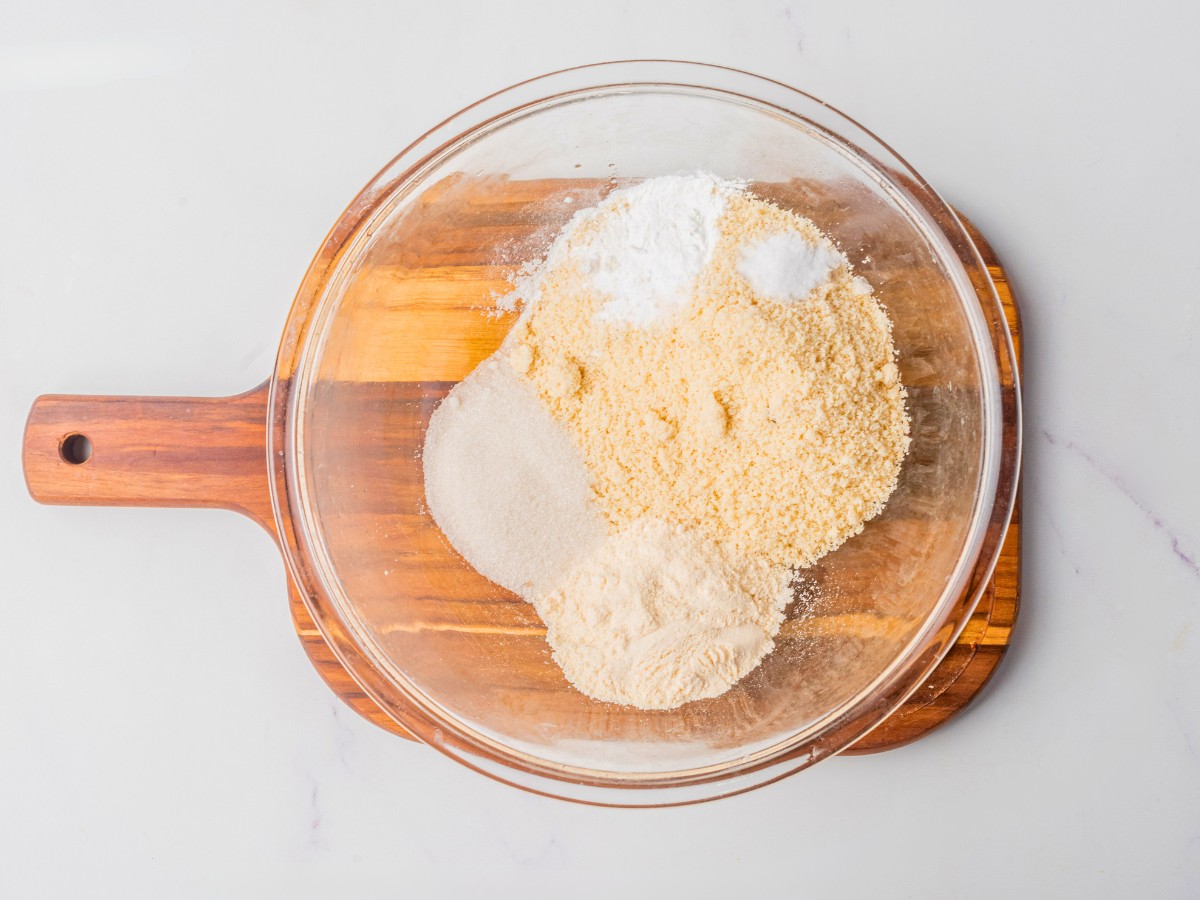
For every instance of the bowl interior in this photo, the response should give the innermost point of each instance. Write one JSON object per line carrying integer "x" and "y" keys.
{"x": 407, "y": 310}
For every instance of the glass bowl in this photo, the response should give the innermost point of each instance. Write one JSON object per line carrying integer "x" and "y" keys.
{"x": 399, "y": 305}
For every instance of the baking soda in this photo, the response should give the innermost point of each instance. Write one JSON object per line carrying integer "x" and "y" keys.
{"x": 788, "y": 266}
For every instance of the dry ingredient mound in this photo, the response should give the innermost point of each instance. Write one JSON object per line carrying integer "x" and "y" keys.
{"x": 776, "y": 425}
{"x": 699, "y": 399}
{"x": 658, "y": 616}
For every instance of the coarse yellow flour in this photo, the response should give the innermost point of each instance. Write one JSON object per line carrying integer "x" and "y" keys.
{"x": 777, "y": 427}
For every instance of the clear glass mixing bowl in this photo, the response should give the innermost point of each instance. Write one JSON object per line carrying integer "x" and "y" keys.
{"x": 394, "y": 310}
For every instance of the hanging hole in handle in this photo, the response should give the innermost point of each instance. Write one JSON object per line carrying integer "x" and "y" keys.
{"x": 75, "y": 449}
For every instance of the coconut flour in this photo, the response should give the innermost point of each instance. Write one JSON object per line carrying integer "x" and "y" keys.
{"x": 658, "y": 616}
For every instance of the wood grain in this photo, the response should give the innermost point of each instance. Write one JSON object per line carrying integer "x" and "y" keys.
{"x": 977, "y": 653}
{"x": 153, "y": 451}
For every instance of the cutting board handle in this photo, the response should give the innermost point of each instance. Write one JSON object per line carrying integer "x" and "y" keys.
{"x": 151, "y": 451}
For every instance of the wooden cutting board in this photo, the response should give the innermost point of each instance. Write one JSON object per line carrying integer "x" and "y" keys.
{"x": 210, "y": 452}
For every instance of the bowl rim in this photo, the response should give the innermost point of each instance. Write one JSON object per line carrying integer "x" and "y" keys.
{"x": 413, "y": 710}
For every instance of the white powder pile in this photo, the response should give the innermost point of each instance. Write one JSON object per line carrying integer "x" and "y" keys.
{"x": 658, "y": 616}
{"x": 504, "y": 483}
{"x": 788, "y": 266}
{"x": 642, "y": 248}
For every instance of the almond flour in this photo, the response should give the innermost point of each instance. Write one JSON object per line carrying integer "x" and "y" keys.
{"x": 775, "y": 427}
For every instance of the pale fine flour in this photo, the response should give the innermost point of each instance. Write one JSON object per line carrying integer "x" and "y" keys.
{"x": 657, "y": 616}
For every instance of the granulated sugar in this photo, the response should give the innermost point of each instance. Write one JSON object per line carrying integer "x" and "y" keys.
{"x": 505, "y": 484}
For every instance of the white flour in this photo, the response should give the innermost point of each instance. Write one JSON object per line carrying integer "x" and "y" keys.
{"x": 642, "y": 247}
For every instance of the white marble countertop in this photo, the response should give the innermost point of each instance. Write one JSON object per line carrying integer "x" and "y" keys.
{"x": 167, "y": 170}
